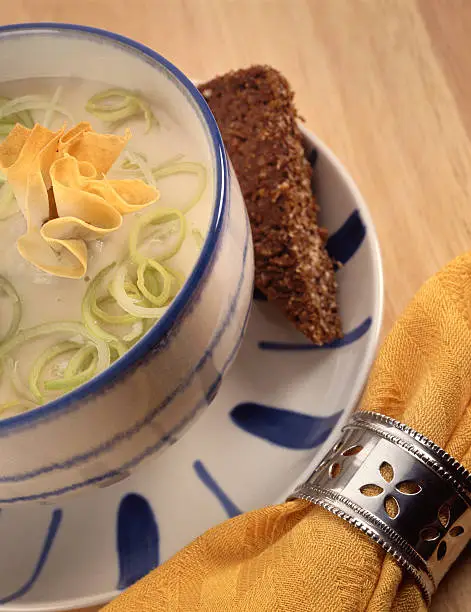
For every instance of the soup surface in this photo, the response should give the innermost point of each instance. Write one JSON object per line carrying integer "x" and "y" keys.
{"x": 56, "y": 332}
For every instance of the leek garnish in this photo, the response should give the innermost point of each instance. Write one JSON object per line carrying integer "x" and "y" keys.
{"x": 46, "y": 329}
{"x": 42, "y": 361}
{"x": 126, "y": 302}
{"x": 155, "y": 296}
{"x": 67, "y": 383}
{"x": 87, "y": 314}
{"x": 23, "y": 117}
{"x": 31, "y": 103}
{"x": 117, "y": 105}
{"x": 198, "y": 236}
{"x": 54, "y": 100}
{"x": 140, "y": 162}
{"x": 149, "y": 279}
{"x": 185, "y": 168}
{"x": 114, "y": 353}
{"x": 8, "y": 205}
{"x": 137, "y": 163}
{"x": 177, "y": 275}
{"x": 136, "y": 331}
{"x": 112, "y": 319}
{"x": 7, "y": 289}
{"x": 128, "y": 164}
{"x": 6, "y": 128}
{"x": 169, "y": 162}
{"x": 80, "y": 360}
{"x": 156, "y": 217}
{"x": 11, "y": 367}
{"x": 18, "y": 405}
{"x": 132, "y": 290}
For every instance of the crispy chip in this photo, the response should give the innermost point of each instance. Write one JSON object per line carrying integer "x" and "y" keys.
{"x": 74, "y": 134}
{"x": 101, "y": 150}
{"x": 126, "y": 195}
{"x": 59, "y": 183}
{"x": 12, "y": 145}
{"x": 67, "y": 258}
{"x": 27, "y": 155}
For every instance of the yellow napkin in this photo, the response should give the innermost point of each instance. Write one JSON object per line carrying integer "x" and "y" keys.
{"x": 299, "y": 557}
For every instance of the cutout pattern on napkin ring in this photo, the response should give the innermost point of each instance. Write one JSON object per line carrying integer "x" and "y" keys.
{"x": 399, "y": 488}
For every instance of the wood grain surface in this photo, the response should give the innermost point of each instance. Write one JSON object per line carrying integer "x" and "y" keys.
{"x": 385, "y": 83}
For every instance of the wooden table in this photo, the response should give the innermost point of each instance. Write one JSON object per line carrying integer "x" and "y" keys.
{"x": 386, "y": 84}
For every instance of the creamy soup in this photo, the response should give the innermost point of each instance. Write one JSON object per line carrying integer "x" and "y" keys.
{"x": 57, "y": 332}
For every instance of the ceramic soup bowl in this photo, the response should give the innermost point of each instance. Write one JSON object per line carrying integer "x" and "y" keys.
{"x": 97, "y": 434}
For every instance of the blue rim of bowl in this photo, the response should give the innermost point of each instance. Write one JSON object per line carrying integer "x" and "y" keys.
{"x": 163, "y": 326}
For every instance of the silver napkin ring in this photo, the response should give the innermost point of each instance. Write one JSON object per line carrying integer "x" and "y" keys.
{"x": 399, "y": 488}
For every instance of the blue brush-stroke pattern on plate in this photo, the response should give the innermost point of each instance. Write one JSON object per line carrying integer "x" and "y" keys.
{"x": 137, "y": 539}
{"x": 53, "y": 528}
{"x": 283, "y": 427}
{"x": 206, "y": 478}
{"x": 350, "y": 337}
{"x": 346, "y": 241}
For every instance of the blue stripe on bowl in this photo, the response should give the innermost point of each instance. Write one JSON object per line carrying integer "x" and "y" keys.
{"x": 137, "y": 539}
{"x": 228, "y": 505}
{"x": 348, "y": 338}
{"x": 129, "y": 433}
{"x": 283, "y": 427}
{"x": 150, "y": 449}
{"x": 53, "y": 528}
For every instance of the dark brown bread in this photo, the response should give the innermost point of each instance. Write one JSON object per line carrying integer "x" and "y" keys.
{"x": 257, "y": 118}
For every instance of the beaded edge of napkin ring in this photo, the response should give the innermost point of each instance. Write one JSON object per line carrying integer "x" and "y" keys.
{"x": 400, "y": 489}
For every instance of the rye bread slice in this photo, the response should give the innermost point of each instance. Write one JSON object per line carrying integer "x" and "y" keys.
{"x": 256, "y": 115}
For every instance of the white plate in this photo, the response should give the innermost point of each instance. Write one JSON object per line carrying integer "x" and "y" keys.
{"x": 274, "y": 415}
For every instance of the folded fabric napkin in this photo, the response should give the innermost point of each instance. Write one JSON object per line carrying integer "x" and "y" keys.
{"x": 297, "y": 556}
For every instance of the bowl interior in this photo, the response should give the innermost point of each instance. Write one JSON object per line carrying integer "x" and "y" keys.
{"x": 59, "y": 52}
